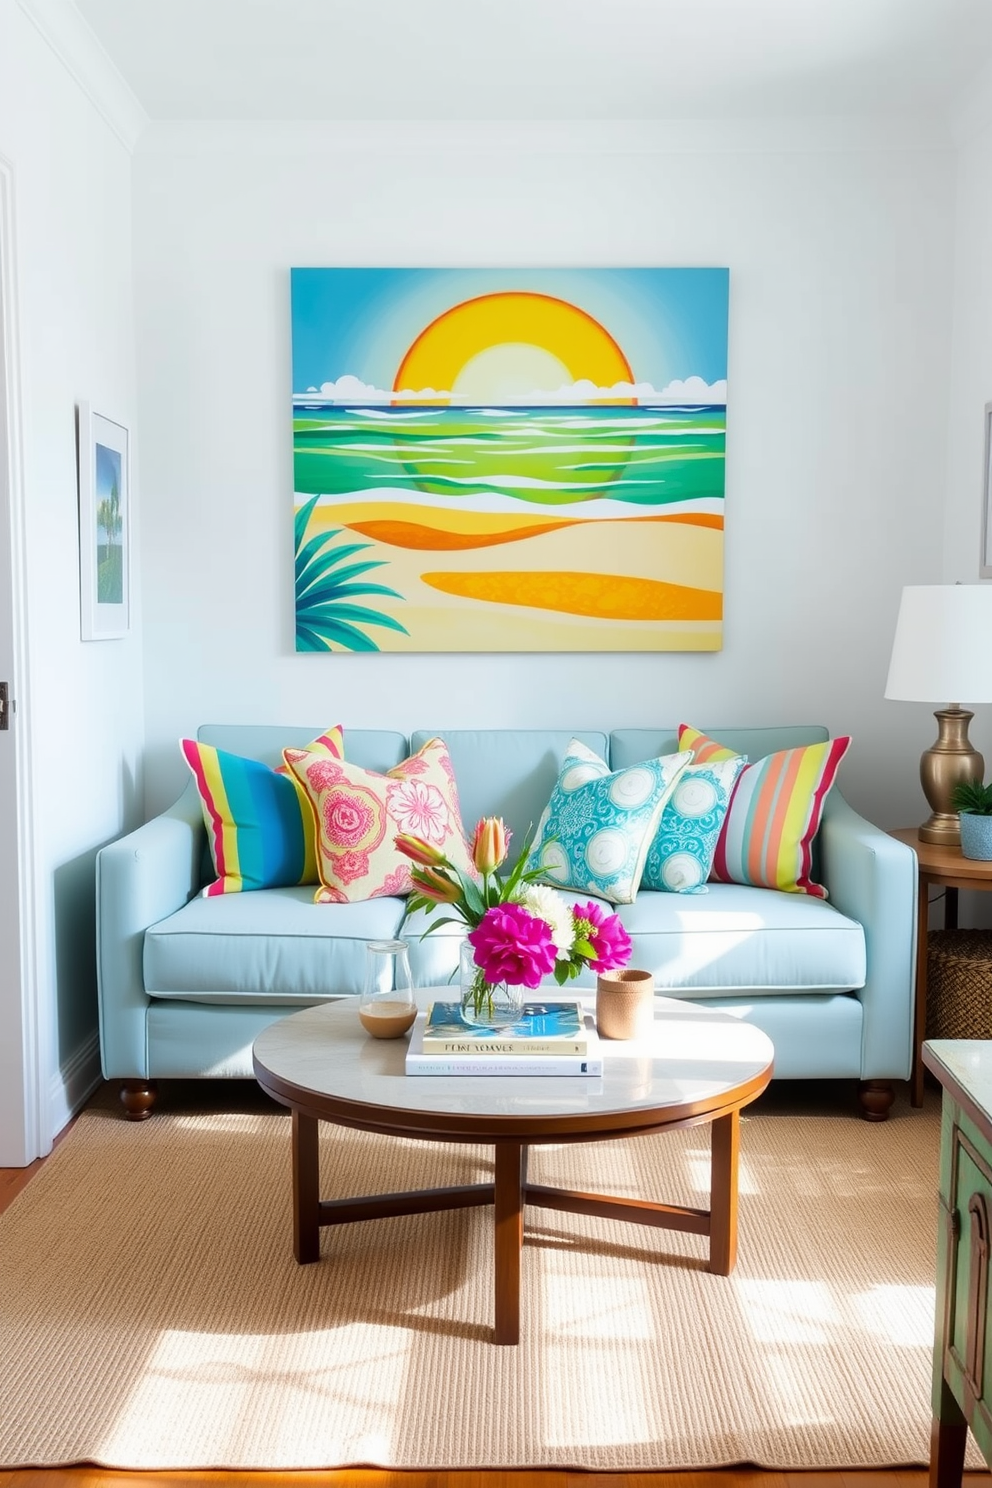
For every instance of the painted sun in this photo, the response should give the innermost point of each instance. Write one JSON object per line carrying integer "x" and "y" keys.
{"x": 501, "y": 347}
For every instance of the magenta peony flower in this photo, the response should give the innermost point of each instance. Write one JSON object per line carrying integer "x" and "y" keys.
{"x": 605, "y": 934}
{"x": 512, "y": 946}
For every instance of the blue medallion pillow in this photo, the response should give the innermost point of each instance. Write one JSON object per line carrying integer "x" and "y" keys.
{"x": 595, "y": 832}
{"x": 681, "y": 856}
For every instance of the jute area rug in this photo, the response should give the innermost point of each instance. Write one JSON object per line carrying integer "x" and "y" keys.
{"x": 152, "y": 1314}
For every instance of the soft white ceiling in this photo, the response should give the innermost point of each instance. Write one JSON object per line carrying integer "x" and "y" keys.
{"x": 543, "y": 59}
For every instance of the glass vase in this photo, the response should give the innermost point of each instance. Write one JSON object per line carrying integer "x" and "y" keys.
{"x": 388, "y": 1006}
{"x": 486, "y": 1004}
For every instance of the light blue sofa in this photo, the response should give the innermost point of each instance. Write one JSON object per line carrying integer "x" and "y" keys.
{"x": 187, "y": 983}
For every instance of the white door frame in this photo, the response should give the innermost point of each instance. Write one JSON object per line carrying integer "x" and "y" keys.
{"x": 25, "y": 1017}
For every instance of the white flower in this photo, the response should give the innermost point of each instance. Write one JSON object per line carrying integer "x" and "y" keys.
{"x": 548, "y": 905}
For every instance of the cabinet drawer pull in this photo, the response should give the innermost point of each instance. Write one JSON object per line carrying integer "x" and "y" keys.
{"x": 978, "y": 1279}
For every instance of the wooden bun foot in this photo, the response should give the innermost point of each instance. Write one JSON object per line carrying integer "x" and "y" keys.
{"x": 138, "y": 1098}
{"x": 876, "y": 1096}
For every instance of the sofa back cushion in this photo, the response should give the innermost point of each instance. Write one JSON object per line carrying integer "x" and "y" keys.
{"x": 630, "y": 746}
{"x": 376, "y": 749}
{"x": 508, "y": 772}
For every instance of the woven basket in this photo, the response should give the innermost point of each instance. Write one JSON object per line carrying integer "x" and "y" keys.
{"x": 959, "y": 984}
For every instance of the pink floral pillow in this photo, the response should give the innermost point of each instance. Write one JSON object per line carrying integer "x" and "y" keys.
{"x": 358, "y": 812}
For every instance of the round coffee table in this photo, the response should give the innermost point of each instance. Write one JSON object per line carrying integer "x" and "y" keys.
{"x": 697, "y": 1065}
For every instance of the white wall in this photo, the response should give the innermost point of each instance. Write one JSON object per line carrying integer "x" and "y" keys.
{"x": 80, "y": 705}
{"x": 970, "y": 384}
{"x": 839, "y": 248}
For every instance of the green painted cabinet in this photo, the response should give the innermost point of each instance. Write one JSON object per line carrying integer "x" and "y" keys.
{"x": 962, "y": 1355}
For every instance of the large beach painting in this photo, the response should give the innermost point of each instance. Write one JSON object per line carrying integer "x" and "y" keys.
{"x": 496, "y": 460}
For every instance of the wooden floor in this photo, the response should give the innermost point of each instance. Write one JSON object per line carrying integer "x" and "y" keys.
{"x": 12, "y": 1180}
{"x": 92, "y": 1477}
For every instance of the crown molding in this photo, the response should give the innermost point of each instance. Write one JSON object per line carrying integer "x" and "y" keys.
{"x": 77, "y": 48}
{"x": 544, "y": 136}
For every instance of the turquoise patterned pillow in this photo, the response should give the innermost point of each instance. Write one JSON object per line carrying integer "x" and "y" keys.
{"x": 681, "y": 856}
{"x": 595, "y": 832}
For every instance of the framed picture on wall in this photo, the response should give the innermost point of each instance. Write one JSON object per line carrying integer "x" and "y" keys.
{"x": 985, "y": 567}
{"x": 104, "y": 526}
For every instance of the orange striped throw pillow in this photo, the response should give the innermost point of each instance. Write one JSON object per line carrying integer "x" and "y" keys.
{"x": 774, "y": 813}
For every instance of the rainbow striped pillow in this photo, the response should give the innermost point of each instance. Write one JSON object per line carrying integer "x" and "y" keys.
{"x": 259, "y": 823}
{"x": 774, "y": 813}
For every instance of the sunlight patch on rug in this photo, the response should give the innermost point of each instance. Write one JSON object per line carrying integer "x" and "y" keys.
{"x": 780, "y": 1311}
{"x": 901, "y": 1316}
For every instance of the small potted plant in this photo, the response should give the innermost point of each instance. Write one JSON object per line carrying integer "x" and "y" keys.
{"x": 973, "y": 802}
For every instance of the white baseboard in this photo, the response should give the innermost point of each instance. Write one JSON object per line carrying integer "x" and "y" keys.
{"x": 75, "y": 1081}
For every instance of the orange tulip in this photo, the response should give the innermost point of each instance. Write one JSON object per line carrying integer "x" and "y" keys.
{"x": 419, "y": 850}
{"x": 434, "y": 884}
{"x": 490, "y": 844}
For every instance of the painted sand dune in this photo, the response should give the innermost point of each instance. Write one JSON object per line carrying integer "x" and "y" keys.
{"x": 635, "y": 578}
{"x": 399, "y": 533}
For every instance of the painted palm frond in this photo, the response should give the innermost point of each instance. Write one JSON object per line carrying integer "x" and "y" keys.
{"x": 327, "y": 586}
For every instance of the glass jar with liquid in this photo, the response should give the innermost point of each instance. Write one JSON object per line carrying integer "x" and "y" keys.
{"x": 388, "y": 1007}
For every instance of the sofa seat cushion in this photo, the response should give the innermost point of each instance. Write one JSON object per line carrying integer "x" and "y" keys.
{"x": 733, "y": 940}
{"x": 743, "y": 939}
{"x": 275, "y": 946}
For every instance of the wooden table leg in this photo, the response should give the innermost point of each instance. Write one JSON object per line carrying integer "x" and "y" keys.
{"x": 920, "y": 1014}
{"x": 724, "y": 1154}
{"x": 306, "y": 1189}
{"x": 511, "y": 1166}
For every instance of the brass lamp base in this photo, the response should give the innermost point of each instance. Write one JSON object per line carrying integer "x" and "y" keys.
{"x": 943, "y": 766}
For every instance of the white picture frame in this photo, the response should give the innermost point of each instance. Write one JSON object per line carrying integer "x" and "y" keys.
{"x": 104, "y": 526}
{"x": 985, "y": 564}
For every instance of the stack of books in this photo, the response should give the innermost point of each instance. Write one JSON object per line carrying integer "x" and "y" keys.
{"x": 549, "y": 1038}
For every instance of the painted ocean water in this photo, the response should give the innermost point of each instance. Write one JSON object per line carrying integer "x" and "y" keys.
{"x": 539, "y": 456}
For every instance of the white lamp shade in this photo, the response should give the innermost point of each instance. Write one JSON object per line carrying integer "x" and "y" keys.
{"x": 942, "y": 652}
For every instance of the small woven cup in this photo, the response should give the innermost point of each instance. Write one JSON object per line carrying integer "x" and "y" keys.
{"x": 624, "y": 1003}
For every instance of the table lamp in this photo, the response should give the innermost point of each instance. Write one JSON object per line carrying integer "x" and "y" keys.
{"x": 943, "y": 649}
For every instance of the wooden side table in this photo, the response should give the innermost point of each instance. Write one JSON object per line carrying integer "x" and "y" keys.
{"x": 941, "y": 867}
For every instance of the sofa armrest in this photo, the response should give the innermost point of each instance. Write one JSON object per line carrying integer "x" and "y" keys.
{"x": 872, "y": 878}
{"x": 140, "y": 878}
